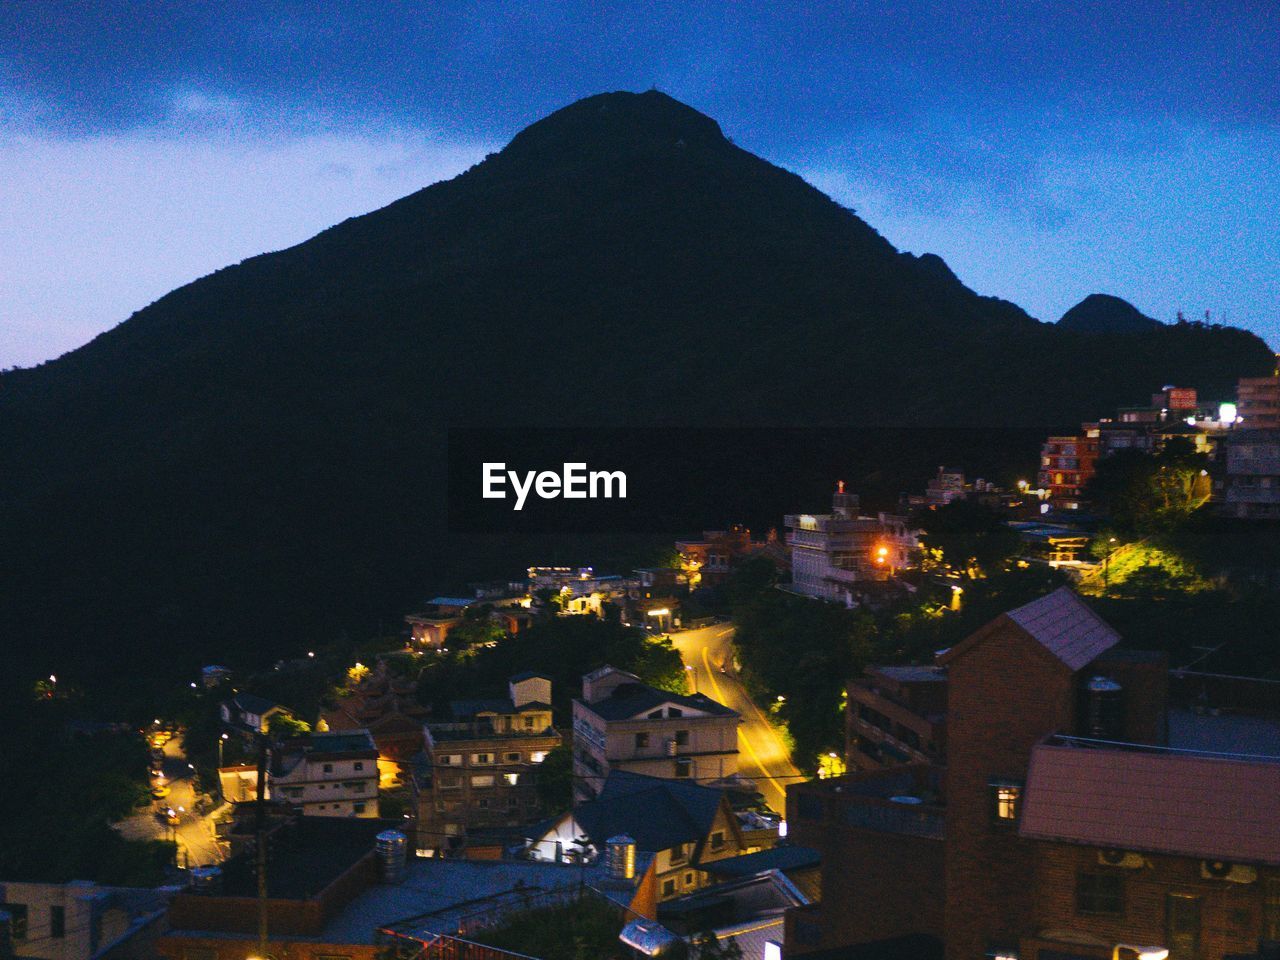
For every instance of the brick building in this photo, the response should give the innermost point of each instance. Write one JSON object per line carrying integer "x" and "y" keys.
{"x": 1067, "y": 464}
{"x": 1058, "y": 780}
{"x": 1258, "y": 401}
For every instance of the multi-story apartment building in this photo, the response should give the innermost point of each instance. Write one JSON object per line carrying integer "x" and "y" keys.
{"x": 834, "y": 554}
{"x": 620, "y": 723}
{"x": 327, "y": 774}
{"x": 1250, "y": 480}
{"x": 1062, "y": 822}
{"x": 895, "y": 715}
{"x": 1067, "y": 464}
{"x": 1258, "y": 402}
{"x": 479, "y": 770}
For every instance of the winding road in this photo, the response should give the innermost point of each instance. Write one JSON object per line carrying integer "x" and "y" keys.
{"x": 762, "y": 754}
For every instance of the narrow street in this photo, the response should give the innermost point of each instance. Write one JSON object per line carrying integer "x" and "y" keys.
{"x": 194, "y": 832}
{"x": 763, "y": 756}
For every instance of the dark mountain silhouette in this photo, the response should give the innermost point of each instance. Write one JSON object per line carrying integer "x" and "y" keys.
{"x": 1103, "y": 313}
{"x": 255, "y": 461}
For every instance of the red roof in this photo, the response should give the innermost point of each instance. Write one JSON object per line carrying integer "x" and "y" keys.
{"x": 1211, "y": 807}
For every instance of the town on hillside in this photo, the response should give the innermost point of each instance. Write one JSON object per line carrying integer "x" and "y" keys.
{"x": 1007, "y": 717}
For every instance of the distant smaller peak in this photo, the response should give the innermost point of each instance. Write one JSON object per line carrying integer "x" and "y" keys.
{"x": 1103, "y": 313}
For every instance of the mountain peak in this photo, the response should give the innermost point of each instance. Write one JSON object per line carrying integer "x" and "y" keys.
{"x": 619, "y": 118}
{"x": 1103, "y": 313}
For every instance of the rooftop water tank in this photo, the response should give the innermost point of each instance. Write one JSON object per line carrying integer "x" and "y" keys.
{"x": 392, "y": 848}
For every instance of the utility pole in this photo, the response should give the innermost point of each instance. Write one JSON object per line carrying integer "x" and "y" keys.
{"x": 260, "y": 846}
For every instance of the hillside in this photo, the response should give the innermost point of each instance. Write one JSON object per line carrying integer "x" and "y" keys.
{"x": 254, "y": 462}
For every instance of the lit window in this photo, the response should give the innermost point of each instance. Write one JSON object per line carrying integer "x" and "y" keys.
{"x": 537, "y": 756}
{"x": 1006, "y": 799}
{"x": 511, "y": 778}
{"x": 358, "y": 765}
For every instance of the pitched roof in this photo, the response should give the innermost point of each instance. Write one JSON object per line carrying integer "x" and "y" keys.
{"x": 529, "y": 675}
{"x": 658, "y": 814}
{"x": 630, "y": 700}
{"x": 1064, "y": 625}
{"x": 1208, "y": 806}
{"x": 1060, "y": 622}
{"x": 783, "y": 857}
{"x": 252, "y": 703}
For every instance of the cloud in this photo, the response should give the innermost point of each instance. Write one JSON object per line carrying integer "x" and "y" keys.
{"x": 93, "y": 229}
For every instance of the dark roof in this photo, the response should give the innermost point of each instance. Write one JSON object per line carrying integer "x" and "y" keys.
{"x": 631, "y": 700}
{"x": 658, "y": 814}
{"x": 252, "y": 703}
{"x": 305, "y": 857}
{"x": 346, "y": 741}
{"x": 1193, "y": 805}
{"x": 782, "y": 858}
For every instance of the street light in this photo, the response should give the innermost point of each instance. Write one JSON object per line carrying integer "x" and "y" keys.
{"x": 221, "y": 741}
{"x": 1106, "y": 566}
{"x": 1144, "y": 953}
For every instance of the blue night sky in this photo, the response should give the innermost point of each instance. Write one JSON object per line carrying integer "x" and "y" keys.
{"x": 1045, "y": 150}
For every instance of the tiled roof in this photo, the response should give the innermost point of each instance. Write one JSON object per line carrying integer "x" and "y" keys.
{"x": 632, "y": 700}
{"x": 656, "y": 813}
{"x": 1065, "y": 626}
{"x": 1211, "y": 807}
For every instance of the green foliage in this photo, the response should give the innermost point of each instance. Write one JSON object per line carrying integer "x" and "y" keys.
{"x": 973, "y": 538}
{"x": 586, "y": 929}
{"x": 565, "y": 648}
{"x": 282, "y": 726}
{"x": 554, "y": 780}
{"x": 57, "y": 827}
{"x": 1151, "y": 493}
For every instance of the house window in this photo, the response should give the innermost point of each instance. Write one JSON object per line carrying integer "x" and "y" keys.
{"x": 328, "y": 768}
{"x": 684, "y": 768}
{"x": 1100, "y": 894}
{"x": 678, "y": 853}
{"x": 656, "y": 715}
{"x": 511, "y": 778}
{"x": 674, "y": 712}
{"x": 530, "y": 721}
{"x": 358, "y": 807}
{"x": 1002, "y": 951}
{"x": 483, "y": 781}
{"x": 358, "y": 765}
{"x": 668, "y": 888}
{"x": 642, "y": 741}
{"x": 717, "y": 840}
{"x": 449, "y": 760}
{"x": 688, "y": 879}
{"x": 481, "y": 758}
{"x": 1006, "y": 799}
{"x": 512, "y": 758}
{"x": 682, "y": 738}
{"x": 17, "y": 919}
{"x": 57, "y": 922}
{"x": 537, "y": 756}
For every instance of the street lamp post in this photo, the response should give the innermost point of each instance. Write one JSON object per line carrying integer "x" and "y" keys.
{"x": 1106, "y": 565}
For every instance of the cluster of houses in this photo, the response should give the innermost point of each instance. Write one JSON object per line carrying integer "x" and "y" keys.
{"x": 1242, "y": 440}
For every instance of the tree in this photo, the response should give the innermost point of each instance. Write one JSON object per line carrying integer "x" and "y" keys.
{"x": 973, "y": 538}
{"x": 282, "y": 726}
{"x": 1151, "y": 493}
{"x": 554, "y": 779}
{"x": 707, "y": 946}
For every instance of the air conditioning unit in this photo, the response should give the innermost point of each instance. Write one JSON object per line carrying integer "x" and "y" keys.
{"x": 1122, "y": 858}
{"x": 1231, "y": 872}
